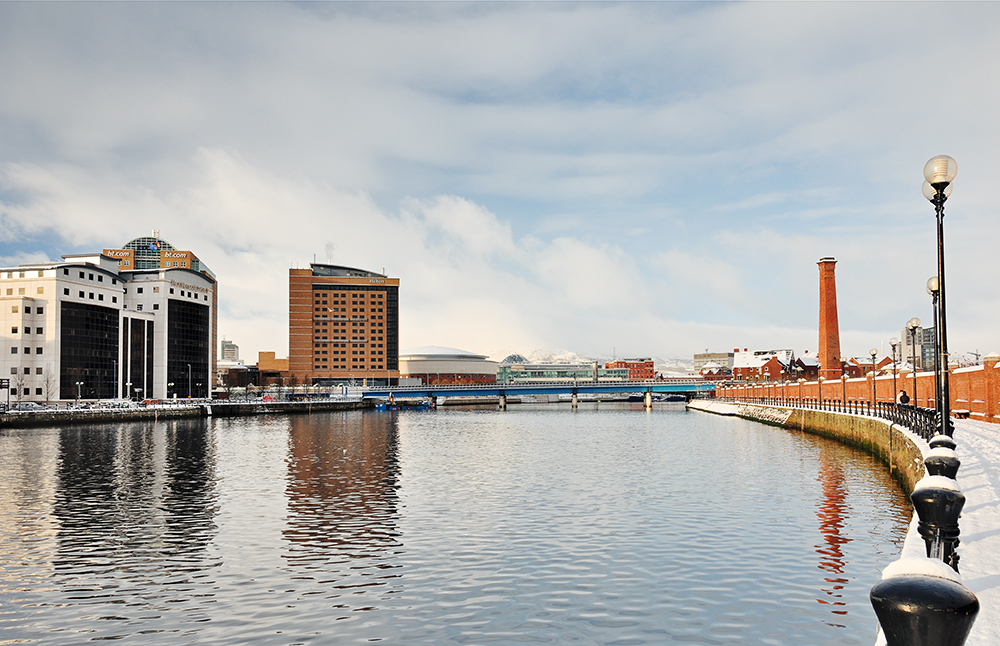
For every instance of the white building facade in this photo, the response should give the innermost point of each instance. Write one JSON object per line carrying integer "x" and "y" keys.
{"x": 84, "y": 329}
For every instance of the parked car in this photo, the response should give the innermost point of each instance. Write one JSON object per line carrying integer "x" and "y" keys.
{"x": 26, "y": 406}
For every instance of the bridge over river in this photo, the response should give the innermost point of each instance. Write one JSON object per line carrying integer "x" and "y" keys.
{"x": 687, "y": 387}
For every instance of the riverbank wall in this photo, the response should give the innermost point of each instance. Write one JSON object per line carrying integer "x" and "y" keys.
{"x": 975, "y": 390}
{"x": 898, "y": 447}
{"x": 28, "y": 419}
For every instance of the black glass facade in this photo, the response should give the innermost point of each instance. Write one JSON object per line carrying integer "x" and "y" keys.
{"x": 89, "y": 349}
{"x": 137, "y": 357}
{"x": 188, "y": 345}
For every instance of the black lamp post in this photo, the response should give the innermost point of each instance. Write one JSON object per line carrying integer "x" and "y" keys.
{"x": 873, "y": 352}
{"x": 932, "y": 289}
{"x": 912, "y": 326}
{"x": 940, "y": 172}
{"x": 893, "y": 342}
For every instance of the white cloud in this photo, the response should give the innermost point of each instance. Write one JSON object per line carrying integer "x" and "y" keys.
{"x": 654, "y": 177}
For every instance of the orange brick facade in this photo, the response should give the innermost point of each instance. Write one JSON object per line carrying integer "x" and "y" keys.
{"x": 343, "y": 325}
{"x": 638, "y": 369}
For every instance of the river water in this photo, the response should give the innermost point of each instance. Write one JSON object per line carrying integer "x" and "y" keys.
{"x": 537, "y": 525}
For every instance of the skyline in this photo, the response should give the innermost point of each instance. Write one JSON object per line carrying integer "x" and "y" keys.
{"x": 638, "y": 179}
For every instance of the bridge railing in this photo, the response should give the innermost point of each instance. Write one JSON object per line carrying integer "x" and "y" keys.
{"x": 638, "y": 385}
{"x": 922, "y": 421}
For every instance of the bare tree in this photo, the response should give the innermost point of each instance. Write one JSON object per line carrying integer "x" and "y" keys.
{"x": 17, "y": 383}
{"x": 51, "y": 384}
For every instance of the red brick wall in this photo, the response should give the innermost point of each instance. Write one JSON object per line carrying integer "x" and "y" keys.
{"x": 975, "y": 389}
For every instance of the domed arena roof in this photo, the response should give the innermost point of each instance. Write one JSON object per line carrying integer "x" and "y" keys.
{"x": 513, "y": 358}
{"x": 439, "y": 352}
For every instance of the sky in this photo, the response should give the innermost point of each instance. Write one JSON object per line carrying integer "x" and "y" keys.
{"x": 627, "y": 179}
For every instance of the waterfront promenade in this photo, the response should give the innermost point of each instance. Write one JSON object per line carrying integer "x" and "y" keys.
{"x": 979, "y": 478}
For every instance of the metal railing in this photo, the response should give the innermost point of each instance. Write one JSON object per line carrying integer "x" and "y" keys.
{"x": 922, "y": 421}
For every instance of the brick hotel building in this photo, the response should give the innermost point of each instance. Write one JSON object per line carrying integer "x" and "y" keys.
{"x": 343, "y": 326}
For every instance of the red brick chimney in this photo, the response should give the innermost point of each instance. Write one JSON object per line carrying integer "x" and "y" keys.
{"x": 829, "y": 329}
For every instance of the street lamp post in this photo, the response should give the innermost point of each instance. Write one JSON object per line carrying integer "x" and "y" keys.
{"x": 189, "y": 381}
{"x": 940, "y": 172}
{"x": 128, "y": 390}
{"x": 932, "y": 289}
{"x": 78, "y": 384}
{"x": 170, "y": 387}
{"x": 893, "y": 342}
{"x": 843, "y": 386}
{"x": 873, "y": 352}
{"x": 912, "y": 326}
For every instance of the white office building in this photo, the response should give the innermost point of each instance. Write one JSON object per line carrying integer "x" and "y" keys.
{"x": 87, "y": 328}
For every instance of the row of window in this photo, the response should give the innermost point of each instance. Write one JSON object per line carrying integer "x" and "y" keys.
{"x": 20, "y": 291}
{"x": 341, "y": 309}
{"x": 87, "y": 276}
{"x": 156, "y": 290}
{"x": 13, "y": 350}
{"x": 90, "y": 295}
{"x": 27, "y": 370}
{"x": 27, "y": 330}
{"x": 27, "y": 310}
{"x": 20, "y": 274}
{"x": 27, "y": 391}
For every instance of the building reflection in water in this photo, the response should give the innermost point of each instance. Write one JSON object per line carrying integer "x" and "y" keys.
{"x": 134, "y": 504}
{"x": 832, "y": 512}
{"x": 342, "y": 525}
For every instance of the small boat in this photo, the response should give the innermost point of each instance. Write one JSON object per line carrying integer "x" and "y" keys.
{"x": 405, "y": 405}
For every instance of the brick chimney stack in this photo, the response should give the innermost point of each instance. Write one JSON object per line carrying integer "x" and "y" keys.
{"x": 829, "y": 328}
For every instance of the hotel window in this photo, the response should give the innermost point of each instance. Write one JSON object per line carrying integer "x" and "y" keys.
{"x": 100, "y": 297}
{"x": 156, "y": 306}
{"x": 100, "y": 279}
{"x": 38, "y": 330}
{"x": 138, "y": 307}
{"x": 27, "y": 310}
{"x": 10, "y": 291}
{"x": 38, "y": 310}
{"x": 27, "y": 351}
{"x": 38, "y": 350}
{"x": 91, "y": 295}
{"x": 156, "y": 290}
{"x": 13, "y": 371}
{"x": 13, "y": 330}
{"x": 39, "y": 370}
{"x": 65, "y": 272}
{"x": 41, "y": 290}
{"x": 13, "y": 310}
{"x": 13, "y": 350}
{"x": 65, "y": 291}
{"x": 138, "y": 290}
{"x": 90, "y": 276}
{"x": 171, "y": 290}
{"x": 38, "y": 391}
{"x": 27, "y": 330}
{"x": 114, "y": 281}
{"x": 114, "y": 299}
{"x": 20, "y": 291}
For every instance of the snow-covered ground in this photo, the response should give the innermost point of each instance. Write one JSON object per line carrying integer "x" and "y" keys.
{"x": 979, "y": 477}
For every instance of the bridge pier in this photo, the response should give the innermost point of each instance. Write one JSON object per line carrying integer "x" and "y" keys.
{"x": 648, "y": 400}
{"x": 575, "y": 400}
{"x": 503, "y": 402}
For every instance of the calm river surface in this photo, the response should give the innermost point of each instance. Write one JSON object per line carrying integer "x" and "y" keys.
{"x": 538, "y": 525}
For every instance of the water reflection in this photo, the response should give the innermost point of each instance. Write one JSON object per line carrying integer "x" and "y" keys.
{"x": 832, "y": 510}
{"x": 135, "y": 507}
{"x": 343, "y": 503}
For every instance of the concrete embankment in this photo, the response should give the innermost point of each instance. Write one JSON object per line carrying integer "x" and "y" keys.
{"x": 27, "y": 419}
{"x": 894, "y": 445}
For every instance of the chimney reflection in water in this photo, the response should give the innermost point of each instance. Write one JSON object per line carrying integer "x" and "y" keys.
{"x": 832, "y": 510}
